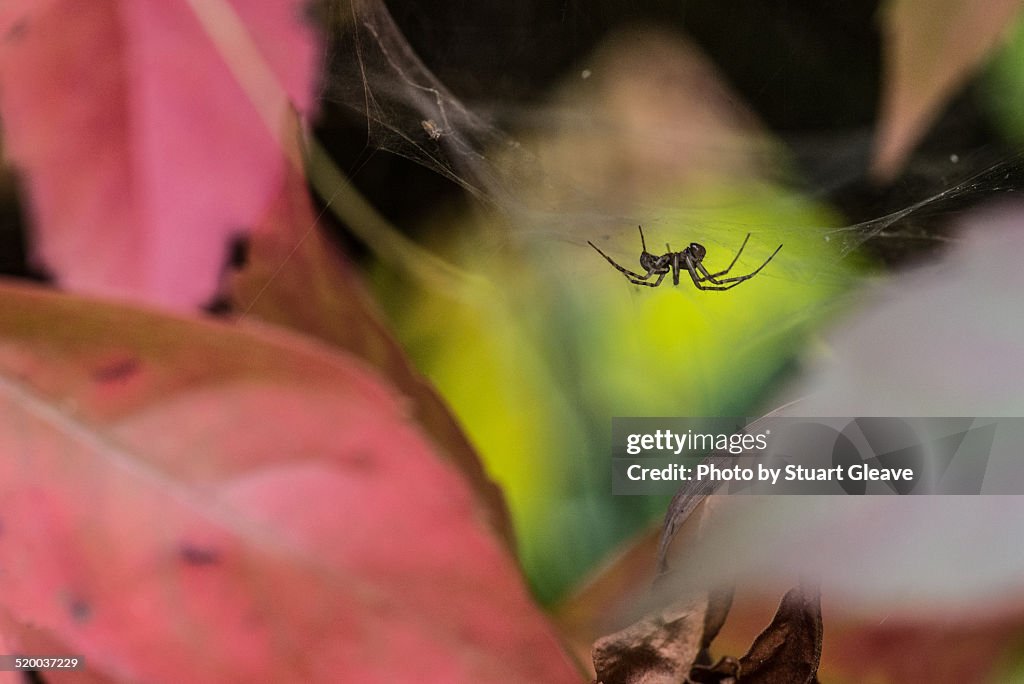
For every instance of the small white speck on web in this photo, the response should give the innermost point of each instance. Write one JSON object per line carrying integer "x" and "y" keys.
{"x": 955, "y": 158}
{"x": 585, "y": 74}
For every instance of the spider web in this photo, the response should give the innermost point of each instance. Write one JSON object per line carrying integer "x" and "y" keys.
{"x": 407, "y": 110}
{"x": 496, "y": 152}
{"x": 411, "y": 113}
{"x": 1003, "y": 177}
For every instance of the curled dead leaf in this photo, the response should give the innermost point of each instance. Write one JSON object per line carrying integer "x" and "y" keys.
{"x": 659, "y": 649}
{"x": 789, "y": 649}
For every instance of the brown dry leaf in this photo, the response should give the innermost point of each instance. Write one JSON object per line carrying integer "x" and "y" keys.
{"x": 931, "y": 47}
{"x": 664, "y": 645}
{"x": 660, "y": 649}
{"x": 789, "y": 650}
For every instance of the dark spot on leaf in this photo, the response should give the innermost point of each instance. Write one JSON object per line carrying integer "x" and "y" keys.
{"x": 220, "y": 306}
{"x": 16, "y": 32}
{"x": 237, "y": 258}
{"x": 121, "y": 369}
{"x": 198, "y": 555}
{"x": 363, "y": 461}
{"x": 238, "y": 253}
{"x": 79, "y": 609}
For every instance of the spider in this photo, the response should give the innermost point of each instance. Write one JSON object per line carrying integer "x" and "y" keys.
{"x": 691, "y": 259}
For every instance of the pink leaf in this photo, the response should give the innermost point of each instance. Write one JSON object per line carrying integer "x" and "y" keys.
{"x": 142, "y": 152}
{"x": 189, "y": 501}
{"x": 294, "y": 278}
{"x": 931, "y": 47}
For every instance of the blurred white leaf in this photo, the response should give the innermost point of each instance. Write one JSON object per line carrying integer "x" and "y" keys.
{"x": 944, "y": 340}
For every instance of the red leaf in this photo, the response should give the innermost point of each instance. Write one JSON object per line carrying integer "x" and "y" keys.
{"x": 294, "y": 278}
{"x": 143, "y": 153}
{"x": 189, "y": 501}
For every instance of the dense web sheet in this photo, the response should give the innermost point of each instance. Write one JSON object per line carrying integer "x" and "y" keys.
{"x": 408, "y": 111}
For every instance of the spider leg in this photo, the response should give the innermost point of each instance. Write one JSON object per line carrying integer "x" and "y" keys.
{"x": 698, "y": 281}
{"x": 712, "y": 277}
{"x": 625, "y": 271}
{"x": 734, "y": 259}
{"x": 656, "y": 283}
